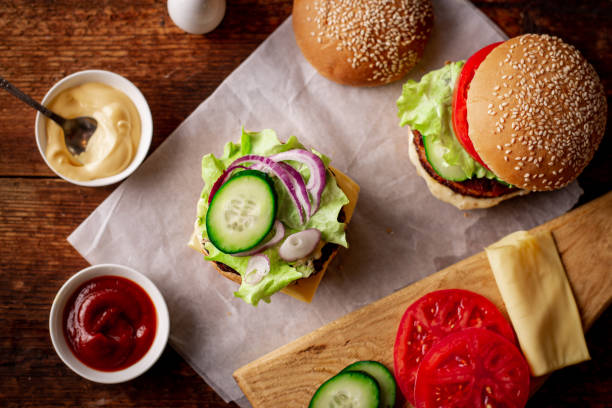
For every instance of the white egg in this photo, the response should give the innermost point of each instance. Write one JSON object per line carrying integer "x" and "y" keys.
{"x": 196, "y": 16}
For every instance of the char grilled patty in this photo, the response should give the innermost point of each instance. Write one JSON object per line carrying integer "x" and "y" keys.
{"x": 477, "y": 187}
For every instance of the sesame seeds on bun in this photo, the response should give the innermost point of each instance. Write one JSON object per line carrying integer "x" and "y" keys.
{"x": 536, "y": 111}
{"x": 360, "y": 42}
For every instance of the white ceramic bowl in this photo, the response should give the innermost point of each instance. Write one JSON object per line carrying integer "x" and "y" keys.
{"x": 117, "y": 82}
{"x": 59, "y": 340}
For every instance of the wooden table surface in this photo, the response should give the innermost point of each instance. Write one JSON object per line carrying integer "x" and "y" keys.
{"x": 42, "y": 41}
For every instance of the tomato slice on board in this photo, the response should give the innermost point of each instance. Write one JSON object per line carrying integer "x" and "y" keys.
{"x": 460, "y": 125}
{"x": 433, "y": 317}
{"x": 472, "y": 368}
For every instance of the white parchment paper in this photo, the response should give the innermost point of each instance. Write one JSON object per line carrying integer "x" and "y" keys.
{"x": 399, "y": 233}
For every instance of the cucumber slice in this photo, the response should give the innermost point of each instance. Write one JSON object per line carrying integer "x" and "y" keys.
{"x": 353, "y": 389}
{"x": 242, "y": 212}
{"x": 435, "y": 151}
{"x": 384, "y": 378}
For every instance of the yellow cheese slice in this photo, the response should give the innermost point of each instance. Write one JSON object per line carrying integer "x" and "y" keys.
{"x": 304, "y": 289}
{"x": 539, "y": 300}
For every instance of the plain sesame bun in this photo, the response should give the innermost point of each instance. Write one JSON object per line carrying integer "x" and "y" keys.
{"x": 362, "y": 43}
{"x": 536, "y": 111}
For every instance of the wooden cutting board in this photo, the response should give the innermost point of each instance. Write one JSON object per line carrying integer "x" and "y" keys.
{"x": 288, "y": 376}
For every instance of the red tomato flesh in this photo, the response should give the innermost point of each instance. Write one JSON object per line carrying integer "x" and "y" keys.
{"x": 435, "y": 316}
{"x": 460, "y": 125}
{"x": 472, "y": 368}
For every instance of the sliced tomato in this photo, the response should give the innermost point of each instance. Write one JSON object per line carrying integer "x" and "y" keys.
{"x": 472, "y": 368}
{"x": 460, "y": 125}
{"x": 435, "y": 316}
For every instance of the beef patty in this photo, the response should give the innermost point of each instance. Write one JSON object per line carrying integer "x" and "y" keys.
{"x": 477, "y": 187}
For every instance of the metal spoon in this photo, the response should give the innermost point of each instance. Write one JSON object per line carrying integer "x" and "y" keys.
{"x": 77, "y": 131}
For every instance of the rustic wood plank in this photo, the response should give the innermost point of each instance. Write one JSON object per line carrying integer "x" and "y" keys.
{"x": 42, "y": 41}
{"x": 175, "y": 71}
{"x": 36, "y": 260}
{"x": 289, "y": 376}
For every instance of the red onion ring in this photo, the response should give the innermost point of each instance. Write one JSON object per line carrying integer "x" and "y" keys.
{"x": 317, "y": 180}
{"x": 267, "y": 165}
{"x": 291, "y": 179}
{"x": 222, "y": 179}
{"x": 301, "y": 189}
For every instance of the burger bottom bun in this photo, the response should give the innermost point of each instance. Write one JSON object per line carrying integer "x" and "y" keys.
{"x": 443, "y": 193}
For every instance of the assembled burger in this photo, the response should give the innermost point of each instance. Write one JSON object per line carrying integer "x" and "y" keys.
{"x": 522, "y": 115}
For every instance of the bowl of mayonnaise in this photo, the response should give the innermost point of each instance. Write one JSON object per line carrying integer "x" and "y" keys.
{"x": 123, "y": 136}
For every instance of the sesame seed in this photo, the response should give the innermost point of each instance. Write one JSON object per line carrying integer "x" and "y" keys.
{"x": 557, "y": 113}
{"x": 376, "y": 34}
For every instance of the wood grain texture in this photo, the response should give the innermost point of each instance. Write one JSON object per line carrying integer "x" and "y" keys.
{"x": 41, "y": 41}
{"x": 290, "y": 375}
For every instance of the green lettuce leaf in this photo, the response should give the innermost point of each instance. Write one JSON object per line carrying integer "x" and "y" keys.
{"x": 282, "y": 273}
{"x": 427, "y": 106}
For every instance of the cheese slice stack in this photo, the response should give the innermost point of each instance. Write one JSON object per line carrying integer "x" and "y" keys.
{"x": 539, "y": 300}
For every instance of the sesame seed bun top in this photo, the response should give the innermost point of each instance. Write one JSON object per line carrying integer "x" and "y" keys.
{"x": 360, "y": 42}
{"x": 536, "y": 112}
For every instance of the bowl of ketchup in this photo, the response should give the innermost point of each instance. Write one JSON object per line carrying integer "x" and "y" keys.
{"x": 109, "y": 323}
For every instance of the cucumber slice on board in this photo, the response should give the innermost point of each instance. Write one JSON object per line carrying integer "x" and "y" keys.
{"x": 242, "y": 212}
{"x": 384, "y": 378}
{"x": 353, "y": 389}
{"x": 435, "y": 151}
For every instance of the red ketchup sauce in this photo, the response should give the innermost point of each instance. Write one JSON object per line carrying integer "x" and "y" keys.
{"x": 109, "y": 323}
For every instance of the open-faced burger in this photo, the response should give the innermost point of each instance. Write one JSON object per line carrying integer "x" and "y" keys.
{"x": 272, "y": 215}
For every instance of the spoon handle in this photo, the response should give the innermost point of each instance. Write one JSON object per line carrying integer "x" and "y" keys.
{"x": 25, "y": 98}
